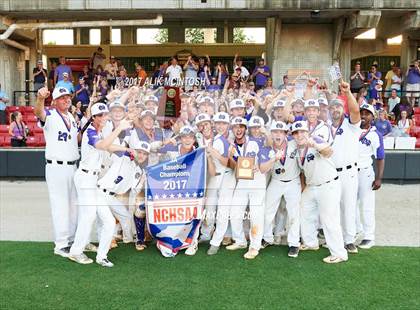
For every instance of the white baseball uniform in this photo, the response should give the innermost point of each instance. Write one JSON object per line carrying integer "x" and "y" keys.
{"x": 345, "y": 157}
{"x": 321, "y": 130}
{"x": 321, "y": 197}
{"x": 285, "y": 182}
{"x": 249, "y": 193}
{"x": 61, "y": 154}
{"x": 91, "y": 203}
{"x": 371, "y": 144}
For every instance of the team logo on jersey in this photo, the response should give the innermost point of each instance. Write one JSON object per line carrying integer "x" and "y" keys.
{"x": 339, "y": 131}
{"x": 293, "y": 155}
{"x": 137, "y": 176}
{"x": 310, "y": 157}
{"x": 252, "y": 154}
{"x": 365, "y": 141}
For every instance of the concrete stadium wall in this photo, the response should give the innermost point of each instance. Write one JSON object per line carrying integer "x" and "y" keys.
{"x": 12, "y": 69}
{"x": 400, "y": 166}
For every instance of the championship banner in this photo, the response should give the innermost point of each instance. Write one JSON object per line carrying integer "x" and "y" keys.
{"x": 175, "y": 200}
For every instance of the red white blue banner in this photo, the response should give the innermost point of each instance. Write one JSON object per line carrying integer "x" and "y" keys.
{"x": 175, "y": 200}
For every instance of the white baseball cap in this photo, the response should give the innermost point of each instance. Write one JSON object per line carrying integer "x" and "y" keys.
{"x": 279, "y": 125}
{"x": 255, "y": 121}
{"x": 368, "y": 107}
{"x": 221, "y": 117}
{"x": 60, "y": 92}
{"x": 236, "y": 103}
{"x": 322, "y": 100}
{"x": 147, "y": 113}
{"x": 239, "y": 121}
{"x": 186, "y": 130}
{"x": 299, "y": 125}
{"x": 98, "y": 108}
{"x": 279, "y": 103}
{"x": 116, "y": 104}
{"x": 206, "y": 98}
{"x": 65, "y": 74}
{"x": 140, "y": 145}
{"x": 151, "y": 98}
{"x": 311, "y": 103}
{"x": 201, "y": 118}
{"x": 336, "y": 101}
{"x": 300, "y": 101}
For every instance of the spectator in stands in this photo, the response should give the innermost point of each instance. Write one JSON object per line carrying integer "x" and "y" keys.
{"x": 382, "y": 124}
{"x": 141, "y": 75}
{"x": 51, "y": 76}
{"x": 404, "y": 105}
{"x": 17, "y": 130}
{"x": 3, "y": 102}
{"x": 373, "y": 77}
{"x": 65, "y": 82}
{"x": 388, "y": 79}
{"x": 413, "y": 82}
{"x": 87, "y": 75}
{"x": 285, "y": 82}
{"x": 393, "y": 100}
{"x": 357, "y": 80}
{"x": 396, "y": 81}
{"x": 238, "y": 64}
{"x": 82, "y": 92}
{"x": 361, "y": 96}
{"x": 261, "y": 73}
{"x": 61, "y": 69}
{"x": 103, "y": 88}
{"x": 111, "y": 70}
{"x": 404, "y": 124}
{"x": 220, "y": 72}
{"x": 173, "y": 72}
{"x": 97, "y": 59}
{"x": 78, "y": 110}
{"x": 190, "y": 71}
{"x": 40, "y": 76}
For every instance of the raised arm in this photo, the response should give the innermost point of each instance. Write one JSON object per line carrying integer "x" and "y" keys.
{"x": 39, "y": 111}
{"x": 353, "y": 106}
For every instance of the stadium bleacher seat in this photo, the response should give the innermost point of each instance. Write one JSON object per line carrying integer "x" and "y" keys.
{"x": 4, "y": 129}
{"x": 13, "y": 108}
{"x": 417, "y": 119}
{"x": 417, "y": 110}
{"x": 418, "y": 143}
{"x": 1, "y": 140}
{"x": 40, "y": 140}
{"x": 32, "y": 141}
{"x": 415, "y": 131}
{"x": 30, "y": 118}
{"x": 7, "y": 141}
{"x": 28, "y": 109}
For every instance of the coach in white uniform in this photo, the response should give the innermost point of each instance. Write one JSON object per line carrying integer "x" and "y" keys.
{"x": 370, "y": 145}
{"x": 316, "y": 126}
{"x": 321, "y": 195}
{"x": 61, "y": 154}
{"x": 346, "y": 132}
{"x": 86, "y": 180}
{"x": 285, "y": 182}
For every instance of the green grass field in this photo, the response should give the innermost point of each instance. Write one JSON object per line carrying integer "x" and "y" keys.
{"x": 380, "y": 278}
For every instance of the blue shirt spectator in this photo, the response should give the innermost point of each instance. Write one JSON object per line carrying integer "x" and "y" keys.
{"x": 61, "y": 69}
{"x": 82, "y": 92}
{"x": 261, "y": 74}
{"x": 66, "y": 84}
{"x": 382, "y": 124}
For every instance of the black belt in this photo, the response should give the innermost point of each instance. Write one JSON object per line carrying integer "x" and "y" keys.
{"x": 107, "y": 192}
{"x": 87, "y": 171}
{"x": 60, "y": 162}
{"x": 346, "y": 167}
{"x": 218, "y": 173}
{"x": 336, "y": 178}
{"x": 285, "y": 181}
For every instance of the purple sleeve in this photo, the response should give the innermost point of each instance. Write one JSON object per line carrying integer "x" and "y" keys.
{"x": 299, "y": 118}
{"x": 225, "y": 147}
{"x": 93, "y": 137}
{"x": 318, "y": 140}
{"x": 168, "y": 148}
{"x": 263, "y": 155}
{"x": 380, "y": 151}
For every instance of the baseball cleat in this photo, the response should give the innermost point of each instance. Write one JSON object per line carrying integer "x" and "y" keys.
{"x": 203, "y": 240}
{"x": 265, "y": 244}
{"x": 192, "y": 249}
{"x": 251, "y": 254}
{"x": 104, "y": 263}
{"x": 81, "y": 259}
{"x": 366, "y": 244}
{"x": 227, "y": 241}
{"x": 235, "y": 246}
{"x": 277, "y": 240}
{"x": 333, "y": 260}
{"x": 140, "y": 247}
{"x": 64, "y": 252}
{"x": 321, "y": 234}
{"x": 212, "y": 250}
{"x": 351, "y": 248}
{"x": 304, "y": 247}
{"x": 90, "y": 248}
{"x": 293, "y": 251}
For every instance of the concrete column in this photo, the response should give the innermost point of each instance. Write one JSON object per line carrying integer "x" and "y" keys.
{"x": 176, "y": 34}
{"x": 84, "y": 35}
{"x": 345, "y": 58}
{"x": 228, "y": 34}
{"x": 127, "y": 35}
{"x": 272, "y": 44}
{"x": 408, "y": 52}
{"x": 105, "y": 35}
{"x": 220, "y": 35}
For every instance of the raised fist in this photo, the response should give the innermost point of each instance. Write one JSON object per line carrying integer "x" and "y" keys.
{"x": 43, "y": 93}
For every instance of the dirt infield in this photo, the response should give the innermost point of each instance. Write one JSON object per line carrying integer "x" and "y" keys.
{"x": 25, "y": 213}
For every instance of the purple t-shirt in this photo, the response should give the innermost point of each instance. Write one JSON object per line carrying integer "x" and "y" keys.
{"x": 60, "y": 70}
{"x": 261, "y": 79}
{"x": 374, "y": 81}
{"x": 413, "y": 76}
{"x": 384, "y": 127}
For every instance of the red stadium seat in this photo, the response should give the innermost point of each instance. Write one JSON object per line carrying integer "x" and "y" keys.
{"x": 38, "y": 130}
{"x": 4, "y": 128}
{"x": 41, "y": 140}
{"x": 417, "y": 110}
{"x": 13, "y": 108}
{"x": 32, "y": 141}
{"x": 1, "y": 140}
{"x": 28, "y": 109}
{"x": 30, "y": 118}
{"x": 418, "y": 143}
{"x": 415, "y": 132}
{"x": 7, "y": 142}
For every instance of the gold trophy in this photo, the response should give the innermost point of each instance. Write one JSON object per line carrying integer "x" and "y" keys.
{"x": 245, "y": 168}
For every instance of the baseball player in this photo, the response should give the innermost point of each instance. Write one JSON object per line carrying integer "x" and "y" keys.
{"x": 316, "y": 126}
{"x": 237, "y": 108}
{"x": 370, "y": 144}
{"x": 247, "y": 192}
{"x": 256, "y": 130}
{"x": 285, "y": 182}
{"x": 345, "y": 132}
{"x": 225, "y": 192}
{"x": 86, "y": 180}
{"x": 320, "y": 196}
{"x": 61, "y": 155}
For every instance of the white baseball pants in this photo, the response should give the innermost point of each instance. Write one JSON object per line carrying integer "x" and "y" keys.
{"x": 212, "y": 197}
{"x": 63, "y": 202}
{"x": 366, "y": 198}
